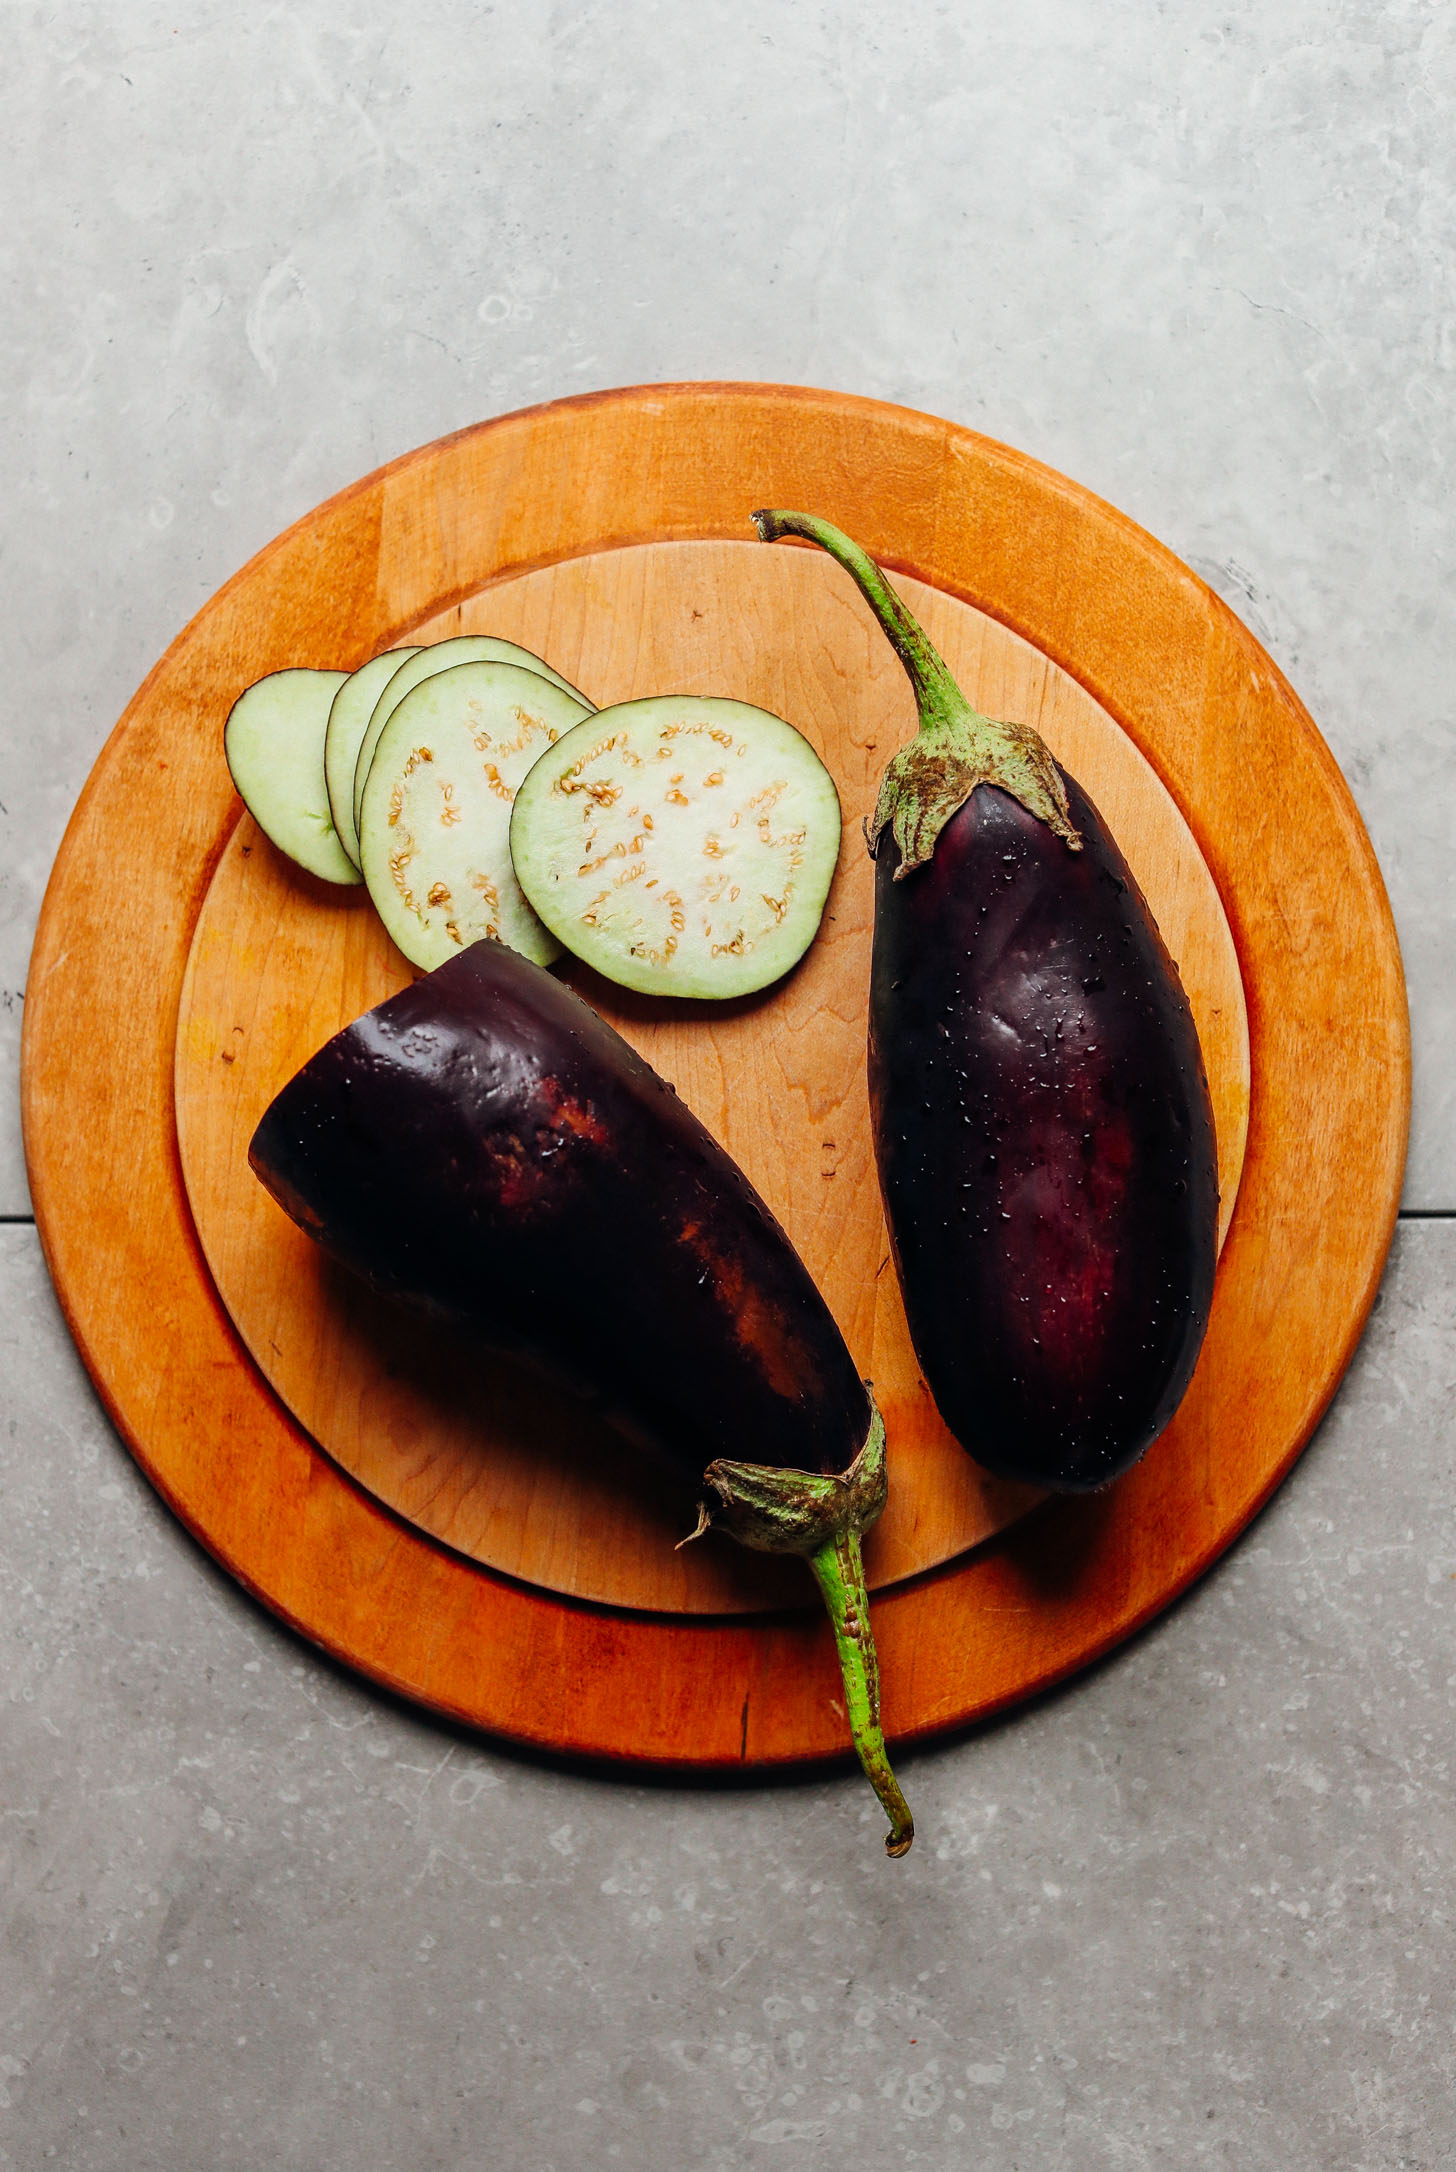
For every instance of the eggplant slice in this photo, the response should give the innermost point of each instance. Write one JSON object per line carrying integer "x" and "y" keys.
{"x": 435, "y": 827}
{"x": 274, "y": 743}
{"x": 348, "y": 722}
{"x": 428, "y": 663}
{"x": 680, "y": 845}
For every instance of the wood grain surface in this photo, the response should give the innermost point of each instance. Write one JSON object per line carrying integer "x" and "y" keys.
{"x": 471, "y": 1449}
{"x": 1328, "y": 1042}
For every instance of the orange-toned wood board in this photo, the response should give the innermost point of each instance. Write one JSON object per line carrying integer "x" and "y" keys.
{"x": 476, "y": 1453}
{"x": 1095, "y": 596}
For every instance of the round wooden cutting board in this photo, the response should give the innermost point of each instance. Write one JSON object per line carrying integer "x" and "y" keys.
{"x": 546, "y": 525}
{"x": 472, "y": 1450}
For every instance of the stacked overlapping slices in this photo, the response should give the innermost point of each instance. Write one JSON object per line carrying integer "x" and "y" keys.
{"x": 681, "y": 845}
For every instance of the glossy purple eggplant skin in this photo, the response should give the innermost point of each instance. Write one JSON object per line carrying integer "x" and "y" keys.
{"x": 486, "y": 1147}
{"x": 1045, "y": 1142}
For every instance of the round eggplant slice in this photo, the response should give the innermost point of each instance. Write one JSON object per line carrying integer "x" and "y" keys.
{"x": 274, "y": 743}
{"x": 426, "y": 663}
{"x": 680, "y": 845}
{"x": 434, "y": 833}
{"x": 348, "y": 722}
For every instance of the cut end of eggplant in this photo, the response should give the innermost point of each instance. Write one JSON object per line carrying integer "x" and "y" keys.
{"x": 680, "y": 845}
{"x": 823, "y": 1518}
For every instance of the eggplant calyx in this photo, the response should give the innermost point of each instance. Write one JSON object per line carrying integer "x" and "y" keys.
{"x": 955, "y": 748}
{"x": 931, "y": 779}
{"x": 704, "y": 1523}
{"x": 796, "y": 1512}
{"x": 821, "y": 1517}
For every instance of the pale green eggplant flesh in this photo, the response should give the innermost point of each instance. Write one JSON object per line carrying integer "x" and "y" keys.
{"x": 680, "y": 845}
{"x": 348, "y": 722}
{"x": 435, "y": 829}
{"x": 274, "y": 743}
{"x": 426, "y": 663}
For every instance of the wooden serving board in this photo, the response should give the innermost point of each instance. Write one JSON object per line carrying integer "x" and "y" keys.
{"x": 471, "y": 1449}
{"x": 1191, "y": 689}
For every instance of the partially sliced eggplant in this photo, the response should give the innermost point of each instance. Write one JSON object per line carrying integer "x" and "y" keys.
{"x": 680, "y": 845}
{"x": 434, "y": 831}
{"x": 274, "y": 743}
{"x": 426, "y": 663}
{"x": 348, "y": 722}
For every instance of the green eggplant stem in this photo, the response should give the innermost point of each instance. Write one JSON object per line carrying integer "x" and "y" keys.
{"x": 821, "y": 1516}
{"x": 933, "y": 686}
{"x": 839, "y": 1573}
{"x": 956, "y": 748}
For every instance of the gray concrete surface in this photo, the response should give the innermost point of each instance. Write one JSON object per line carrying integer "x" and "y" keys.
{"x": 1194, "y": 1910}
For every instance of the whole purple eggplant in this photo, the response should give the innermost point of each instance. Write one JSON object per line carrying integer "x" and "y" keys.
{"x": 1041, "y": 1114}
{"x": 488, "y": 1149}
